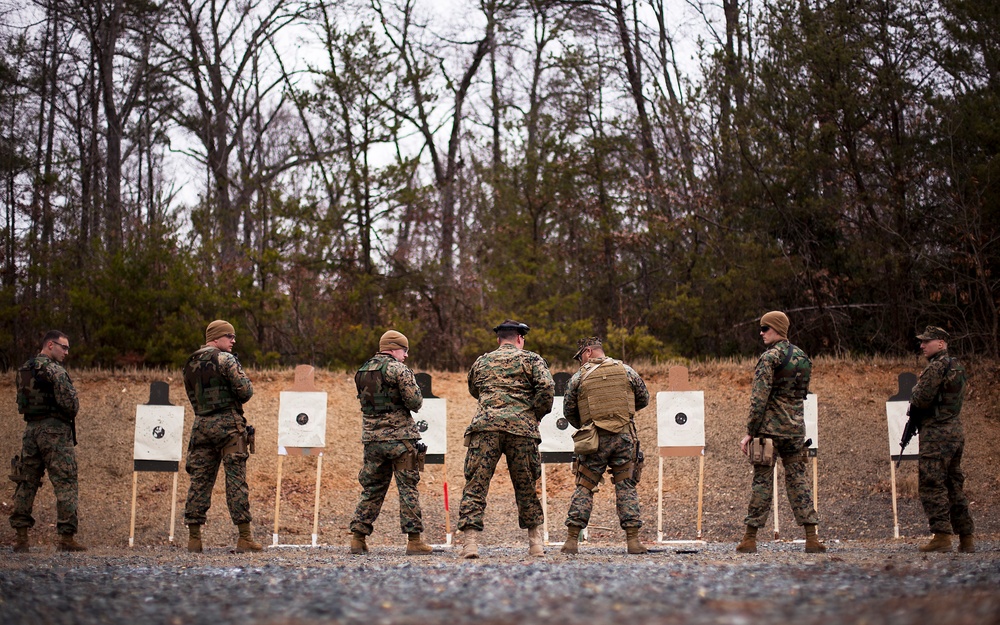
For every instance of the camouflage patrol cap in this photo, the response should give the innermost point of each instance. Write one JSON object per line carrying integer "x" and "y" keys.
{"x": 934, "y": 333}
{"x": 582, "y": 344}
{"x": 512, "y": 326}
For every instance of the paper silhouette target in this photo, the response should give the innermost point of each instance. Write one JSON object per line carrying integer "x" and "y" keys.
{"x": 556, "y": 432}
{"x": 680, "y": 418}
{"x": 302, "y": 419}
{"x": 159, "y": 431}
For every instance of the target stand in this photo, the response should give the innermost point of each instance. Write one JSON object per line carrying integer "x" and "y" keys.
{"x": 159, "y": 427}
{"x": 895, "y": 412}
{"x": 680, "y": 426}
{"x": 432, "y": 423}
{"x": 301, "y": 432}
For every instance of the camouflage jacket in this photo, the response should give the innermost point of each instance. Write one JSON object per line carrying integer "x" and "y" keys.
{"x": 396, "y": 424}
{"x": 941, "y": 386}
{"x": 44, "y": 389}
{"x": 571, "y": 408}
{"x": 778, "y": 391}
{"x": 235, "y": 388}
{"x": 515, "y": 390}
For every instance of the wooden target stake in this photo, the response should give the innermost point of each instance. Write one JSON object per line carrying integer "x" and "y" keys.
{"x": 131, "y": 531}
{"x": 277, "y": 504}
{"x": 173, "y": 508}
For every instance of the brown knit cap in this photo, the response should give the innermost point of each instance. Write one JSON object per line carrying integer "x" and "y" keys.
{"x": 392, "y": 340}
{"x": 218, "y": 329}
{"x": 778, "y": 321}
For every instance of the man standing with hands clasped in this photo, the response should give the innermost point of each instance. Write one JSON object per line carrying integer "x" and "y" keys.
{"x": 389, "y": 394}
{"x": 515, "y": 390}
{"x": 218, "y": 388}
{"x": 936, "y": 403}
{"x": 780, "y": 385}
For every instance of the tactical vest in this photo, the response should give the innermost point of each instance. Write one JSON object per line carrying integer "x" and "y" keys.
{"x": 606, "y": 397}
{"x": 791, "y": 377}
{"x": 206, "y": 387}
{"x": 375, "y": 396}
{"x": 36, "y": 395}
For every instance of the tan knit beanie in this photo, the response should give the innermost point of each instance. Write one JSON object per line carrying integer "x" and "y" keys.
{"x": 778, "y": 321}
{"x": 218, "y": 329}
{"x": 392, "y": 340}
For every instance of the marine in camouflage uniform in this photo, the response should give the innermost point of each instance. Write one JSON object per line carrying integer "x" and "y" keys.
{"x": 389, "y": 395}
{"x": 936, "y": 402}
{"x": 780, "y": 385}
{"x": 217, "y": 387}
{"x": 47, "y": 400}
{"x": 515, "y": 390}
{"x": 607, "y": 393}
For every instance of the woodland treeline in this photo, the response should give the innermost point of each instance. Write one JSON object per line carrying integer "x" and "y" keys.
{"x": 319, "y": 171}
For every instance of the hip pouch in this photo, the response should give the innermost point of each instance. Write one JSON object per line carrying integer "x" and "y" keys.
{"x": 17, "y": 470}
{"x": 407, "y": 462}
{"x": 762, "y": 451}
{"x": 585, "y": 440}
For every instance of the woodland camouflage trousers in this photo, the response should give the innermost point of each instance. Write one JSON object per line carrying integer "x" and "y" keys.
{"x": 614, "y": 451}
{"x": 47, "y": 445}
{"x": 208, "y": 436}
{"x": 796, "y": 485}
{"x": 525, "y": 466}
{"x": 376, "y": 474}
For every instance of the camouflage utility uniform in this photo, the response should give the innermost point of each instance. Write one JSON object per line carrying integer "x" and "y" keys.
{"x": 941, "y": 388}
{"x": 618, "y": 443}
{"x": 47, "y": 399}
{"x": 515, "y": 390}
{"x": 218, "y": 388}
{"x": 388, "y": 393}
{"x": 780, "y": 385}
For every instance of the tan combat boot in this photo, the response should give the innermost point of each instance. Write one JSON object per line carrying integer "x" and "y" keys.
{"x": 812, "y": 541}
{"x": 749, "y": 542}
{"x": 415, "y": 546}
{"x": 21, "y": 544}
{"x": 359, "y": 543}
{"x": 632, "y": 540}
{"x": 572, "y": 540}
{"x": 246, "y": 542}
{"x": 194, "y": 538}
{"x": 470, "y": 544}
{"x": 68, "y": 543}
{"x": 939, "y": 543}
{"x": 966, "y": 544}
{"x": 535, "y": 548}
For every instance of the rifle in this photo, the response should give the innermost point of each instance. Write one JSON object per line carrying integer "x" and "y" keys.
{"x": 912, "y": 428}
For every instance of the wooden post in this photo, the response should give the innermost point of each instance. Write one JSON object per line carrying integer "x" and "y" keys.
{"x": 319, "y": 472}
{"x": 701, "y": 488}
{"x": 895, "y": 513}
{"x": 277, "y": 504}
{"x": 545, "y": 508}
{"x": 131, "y": 531}
{"x": 815, "y": 484}
{"x": 659, "y": 504}
{"x": 774, "y": 499}
{"x": 173, "y": 508}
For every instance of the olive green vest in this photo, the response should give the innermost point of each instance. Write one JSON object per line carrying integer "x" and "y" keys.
{"x": 36, "y": 396}
{"x": 605, "y": 396}
{"x": 375, "y": 395}
{"x": 207, "y": 389}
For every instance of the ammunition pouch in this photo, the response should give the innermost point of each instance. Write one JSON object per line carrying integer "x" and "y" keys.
{"x": 762, "y": 451}
{"x": 586, "y": 440}
{"x": 17, "y": 474}
{"x": 413, "y": 459}
{"x": 585, "y": 477}
{"x": 640, "y": 460}
{"x": 240, "y": 443}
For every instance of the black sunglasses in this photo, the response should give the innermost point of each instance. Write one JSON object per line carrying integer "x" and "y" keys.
{"x": 764, "y": 329}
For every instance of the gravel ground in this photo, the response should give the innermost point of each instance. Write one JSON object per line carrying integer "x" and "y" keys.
{"x": 870, "y": 582}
